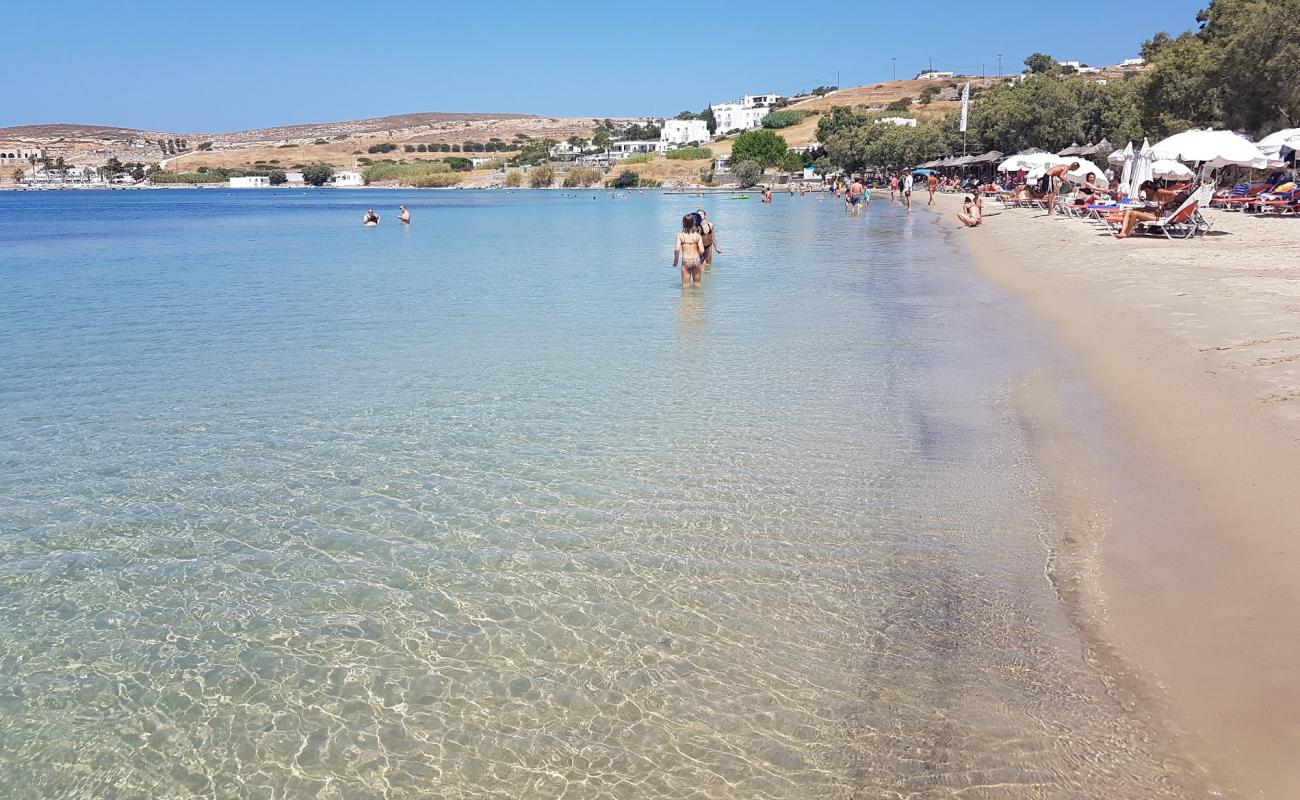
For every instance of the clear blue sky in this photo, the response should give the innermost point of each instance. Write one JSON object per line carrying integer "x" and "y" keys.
{"x": 230, "y": 64}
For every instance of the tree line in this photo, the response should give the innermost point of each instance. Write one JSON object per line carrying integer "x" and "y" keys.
{"x": 1240, "y": 69}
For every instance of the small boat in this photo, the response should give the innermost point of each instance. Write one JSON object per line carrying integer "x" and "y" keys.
{"x": 740, "y": 197}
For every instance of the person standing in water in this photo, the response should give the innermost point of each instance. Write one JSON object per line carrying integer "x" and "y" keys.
{"x": 708, "y": 237}
{"x": 855, "y": 196}
{"x": 905, "y": 189}
{"x": 370, "y": 218}
{"x": 404, "y": 215}
{"x": 688, "y": 248}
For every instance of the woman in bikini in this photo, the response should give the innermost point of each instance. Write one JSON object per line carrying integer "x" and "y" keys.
{"x": 689, "y": 247}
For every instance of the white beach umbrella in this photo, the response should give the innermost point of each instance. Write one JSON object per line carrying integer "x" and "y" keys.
{"x": 1213, "y": 148}
{"x": 1076, "y": 175}
{"x": 1127, "y": 177}
{"x": 1029, "y": 161}
{"x": 1141, "y": 171}
{"x": 1171, "y": 170}
{"x": 1123, "y": 154}
{"x": 1273, "y": 144}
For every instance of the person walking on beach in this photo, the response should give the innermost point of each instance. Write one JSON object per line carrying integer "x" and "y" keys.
{"x": 932, "y": 184}
{"x": 404, "y": 215}
{"x": 708, "y": 238}
{"x": 688, "y": 248}
{"x": 905, "y": 189}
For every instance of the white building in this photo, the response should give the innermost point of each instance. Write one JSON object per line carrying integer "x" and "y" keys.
{"x": 565, "y": 151}
{"x": 736, "y": 117}
{"x": 1132, "y": 63}
{"x": 348, "y": 178}
{"x": 933, "y": 75}
{"x": 250, "y": 182}
{"x": 621, "y": 150}
{"x": 294, "y": 177}
{"x": 760, "y": 100}
{"x": 676, "y": 132}
{"x": 902, "y": 122}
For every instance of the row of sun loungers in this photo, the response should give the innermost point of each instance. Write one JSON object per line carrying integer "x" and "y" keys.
{"x": 1183, "y": 222}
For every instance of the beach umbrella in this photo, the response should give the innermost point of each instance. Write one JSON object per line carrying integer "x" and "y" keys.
{"x": 1099, "y": 149}
{"x": 1123, "y": 154}
{"x": 1285, "y": 139}
{"x": 1171, "y": 170}
{"x": 1141, "y": 170}
{"x": 1075, "y": 175}
{"x": 1126, "y": 157}
{"x": 922, "y": 171}
{"x": 1213, "y": 148}
{"x": 1029, "y": 160}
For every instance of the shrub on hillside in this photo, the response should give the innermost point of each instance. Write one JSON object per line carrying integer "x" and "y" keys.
{"x": 582, "y": 177}
{"x": 436, "y": 180}
{"x": 690, "y": 153}
{"x": 640, "y": 158}
{"x": 405, "y": 173}
{"x": 385, "y": 147}
{"x": 458, "y": 162}
{"x": 541, "y": 177}
{"x": 278, "y": 177}
{"x": 784, "y": 118}
{"x": 514, "y": 178}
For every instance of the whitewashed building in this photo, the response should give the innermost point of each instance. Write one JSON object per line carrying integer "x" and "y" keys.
{"x": 760, "y": 100}
{"x": 250, "y": 182}
{"x": 15, "y": 155}
{"x": 294, "y": 177}
{"x": 348, "y": 178}
{"x": 933, "y": 75}
{"x": 736, "y": 117}
{"x": 677, "y": 132}
{"x": 621, "y": 150}
{"x": 901, "y": 122}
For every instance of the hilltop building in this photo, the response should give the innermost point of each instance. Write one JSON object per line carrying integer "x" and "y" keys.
{"x": 933, "y": 75}
{"x": 745, "y": 115}
{"x": 17, "y": 155}
{"x": 676, "y": 132}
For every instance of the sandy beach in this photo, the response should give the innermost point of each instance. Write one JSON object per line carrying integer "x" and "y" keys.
{"x": 1172, "y": 442}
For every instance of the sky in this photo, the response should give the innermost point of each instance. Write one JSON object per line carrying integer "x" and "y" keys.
{"x": 226, "y": 65}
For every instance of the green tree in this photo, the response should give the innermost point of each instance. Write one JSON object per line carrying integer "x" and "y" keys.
{"x": 1254, "y": 61}
{"x": 747, "y": 173}
{"x": 763, "y": 147}
{"x": 1042, "y": 64}
{"x": 577, "y": 142}
{"x": 627, "y": 179}
{"x": 409, "y": 148}
{"x": 685, "y": 115}
{"x": 278, "y": 177}
{"x": 18, "y": 175}
{"x": 317, "y": 174}
{"x": 927, "y": 95}
{"x": 1178, "y": 91}
{"x": 600, "y": 138}
{"x": 709, "y": 120}
{"x": 115, "y": 167}
{"x": 790, "y": 162}
{"x": 514, "y": 178}
{"x": 902, "y": 104}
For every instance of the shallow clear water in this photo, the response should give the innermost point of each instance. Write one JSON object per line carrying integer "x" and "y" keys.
{"x": 489, "y": 507}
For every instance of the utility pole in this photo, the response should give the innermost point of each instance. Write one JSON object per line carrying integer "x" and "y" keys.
{"x": 895, "y": 60}
{"x": 999, "y": 65}
{"x": 837, "y": 79}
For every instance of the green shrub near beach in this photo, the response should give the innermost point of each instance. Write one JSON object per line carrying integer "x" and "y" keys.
{"x": 410, "y": 174}
{"x": 582, "y": 177}
{"x": 690, "y": 153}
{"x": 514, "y": 178}
{"x": 541, "y": 177}
{"x": 784, "y": 118}
{"x": 640, "y": 158}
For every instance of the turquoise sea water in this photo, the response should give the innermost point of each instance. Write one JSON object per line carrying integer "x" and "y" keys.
{"x": 490, "y": 507}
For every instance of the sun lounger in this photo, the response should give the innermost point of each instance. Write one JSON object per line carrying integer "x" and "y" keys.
{"x": 1184, "y": 222}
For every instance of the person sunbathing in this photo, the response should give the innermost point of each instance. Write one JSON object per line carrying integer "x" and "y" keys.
{"x": 1157, "y": 201}
{"x": 970, "y": 215}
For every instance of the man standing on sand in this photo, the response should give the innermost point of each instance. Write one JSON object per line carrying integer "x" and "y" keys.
{"x": 932, "y": 184}
{"x": 708, "y": 237}
{"x": 905, "y": 189}
{"x": 1055, "y": 178}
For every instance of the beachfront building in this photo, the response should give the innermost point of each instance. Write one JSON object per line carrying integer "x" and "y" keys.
{"x": 294, "y": 177}
{"x": 15, "y": 155}
{"x": 348, "y": 178}
{"x": 250, "y": 182}
{"x": 933, "y": 75}
{"x": 621, "y": 150}
{"x": 677, "y": 132}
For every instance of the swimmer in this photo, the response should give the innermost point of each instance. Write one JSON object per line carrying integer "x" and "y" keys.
{"x": 404, "y": 216}
{"x": 370, "y": 219}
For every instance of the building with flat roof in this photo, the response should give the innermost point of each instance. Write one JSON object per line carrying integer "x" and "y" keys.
{"x": 250, "y": 182}
{"x": 684, "y": 131}
{"x": 15, "y": 155}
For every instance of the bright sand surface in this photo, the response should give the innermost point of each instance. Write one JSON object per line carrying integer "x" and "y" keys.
{"x": 1183, "y": 478}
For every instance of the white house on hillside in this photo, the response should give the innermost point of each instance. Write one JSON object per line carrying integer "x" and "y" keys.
{"x": 933, "y": 75}
{"x": 348, "y": 178}
{"x": 902, "y": 122}
{"x": 684, "y": 131}
{"x": 621, "y": 150}
{"x": 757, "y": 100}
{"x": 735, "y": 117}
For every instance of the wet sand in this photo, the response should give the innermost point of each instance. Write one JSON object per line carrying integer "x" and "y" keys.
{"x": 1177, "y": 491}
